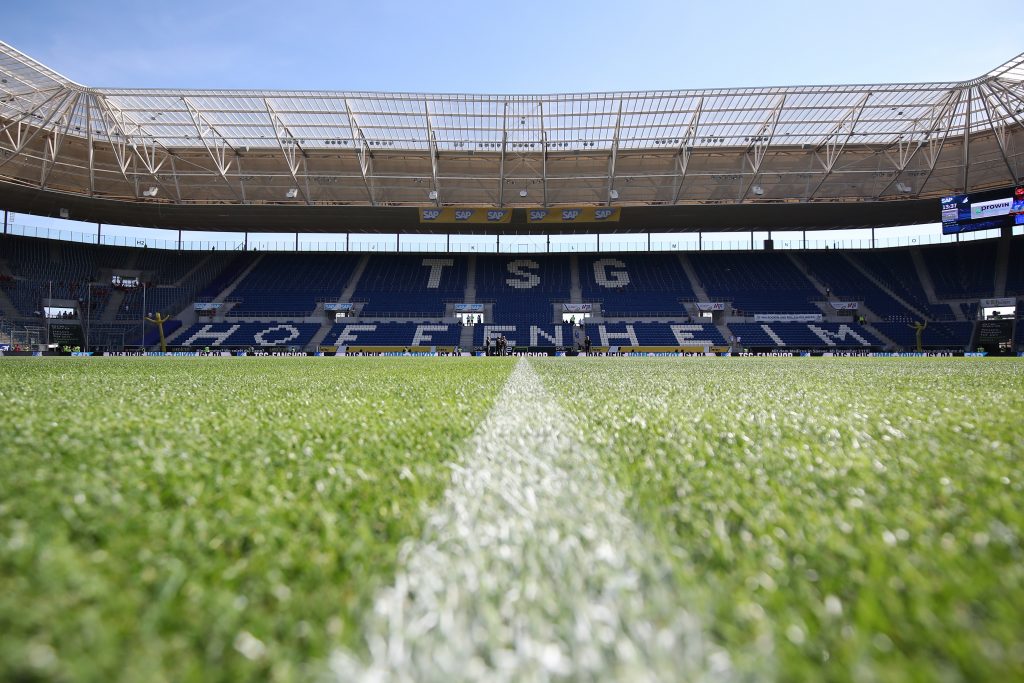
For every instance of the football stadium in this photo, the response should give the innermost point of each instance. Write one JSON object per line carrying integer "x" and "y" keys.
{"x": 626, "y": 386}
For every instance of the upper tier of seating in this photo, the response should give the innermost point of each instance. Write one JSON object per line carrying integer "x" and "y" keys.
{"x": 523, "y": 287}
{"x": 895, "y": 269}
{"x": 967, "y": 271}
{"x": 847, "y": 282}
{"x": 292, "y": 284}
{"x": 756, "y": 282}
{"x": 629, "y": 283}
{"x": 44, "y": 269}
{"x": 418, "y": 285}
{"x": 1015, "y": 268}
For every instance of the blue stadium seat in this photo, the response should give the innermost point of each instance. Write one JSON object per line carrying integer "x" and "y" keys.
{"x": 630, "y": 284}
{"x": 242, "y": 334}
{"x": 393, "y": 334}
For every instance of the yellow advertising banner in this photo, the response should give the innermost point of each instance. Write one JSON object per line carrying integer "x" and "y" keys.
{"x": 465, "y": 214}
{"x": 584, "y": 214}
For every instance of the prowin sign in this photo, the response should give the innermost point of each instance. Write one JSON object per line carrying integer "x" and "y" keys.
{"x": 995, "y": 207}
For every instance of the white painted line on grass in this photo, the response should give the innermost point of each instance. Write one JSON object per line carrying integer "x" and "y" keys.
{"x": 530, "y": 570}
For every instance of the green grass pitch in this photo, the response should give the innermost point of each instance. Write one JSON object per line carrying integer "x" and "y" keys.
{"x": 232, "y": 519}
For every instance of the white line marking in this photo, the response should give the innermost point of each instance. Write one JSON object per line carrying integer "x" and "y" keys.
{"x": 531, "y": 570}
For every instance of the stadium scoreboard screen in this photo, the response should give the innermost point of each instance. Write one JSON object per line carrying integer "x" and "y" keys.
{"x": 989, "y": 210}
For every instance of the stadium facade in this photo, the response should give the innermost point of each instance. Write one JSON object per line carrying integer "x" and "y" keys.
{"x": 741, "y": 159}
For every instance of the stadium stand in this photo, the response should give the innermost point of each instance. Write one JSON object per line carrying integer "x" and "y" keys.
{"x": 968, "y": 271}
{"x": 526, "y": 334}
{"x": 284, "y": 288}
{"x": 1015, "y": 268}
{"x": 756, "y": 282}
{"x": 411, "y": 285}
{"x": 938, "y": 335}
{"x": 523, "y": 288}
{"x": 245, "y": 334}
{"x": 654, "y": 334}
{"x": 287, "y": 285}
{"x": 394, "y": 334}
{"x": 848, "y": 283}
{"x": 627, "y": 284}
{"x": 791, "y": 335}
{"x": 895, "y": 269}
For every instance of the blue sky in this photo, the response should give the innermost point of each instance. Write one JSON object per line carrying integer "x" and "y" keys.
{"x": 526, "y": 46}
{"x": 512, "y": 47}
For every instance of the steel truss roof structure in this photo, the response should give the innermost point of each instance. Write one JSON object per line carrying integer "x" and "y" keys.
{"x": 844, "y": 144}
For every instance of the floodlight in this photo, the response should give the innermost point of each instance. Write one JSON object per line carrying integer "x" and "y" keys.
{"x": 905, "y": 189}
{"x": 614, "y": 194}
{"x": 432, "y": 195}
{"x": 758, "y": 190}
{"x": 151, "y": 192}
{"x": 523, "y": 193}
{"x": 292, "y": 193}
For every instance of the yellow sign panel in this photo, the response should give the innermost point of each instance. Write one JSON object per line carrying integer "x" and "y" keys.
{"x": 584, "y": 214}
{"x": 465, "y": 214}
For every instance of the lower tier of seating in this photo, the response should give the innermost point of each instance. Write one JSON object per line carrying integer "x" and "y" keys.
{"x": 394, "y": 334}
{"x": 228, "y": 334}
{"x": 947, "y": 335}
{"x": 804, "y": 335}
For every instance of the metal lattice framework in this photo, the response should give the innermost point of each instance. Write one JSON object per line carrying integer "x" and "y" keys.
{"x": 804, "y": 144}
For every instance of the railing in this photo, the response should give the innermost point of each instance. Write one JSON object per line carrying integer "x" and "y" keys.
{"x": 433, "y": 244}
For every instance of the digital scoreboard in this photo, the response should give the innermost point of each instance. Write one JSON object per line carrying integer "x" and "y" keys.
{"x": 989, "y": 210}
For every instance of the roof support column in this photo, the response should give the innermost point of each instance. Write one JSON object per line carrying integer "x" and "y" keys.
{"x": 967, "y": 138}
{"x": 544, "y": 153}
{"x": 762, "y": 140}
{"x": 998, "y": 127}
{"x": 614, "y": 156}
{"x": 686, "y": 148}
{"x": 219, "y": 148}
{"x": 432, "y": 146}
{"x": 501, "y": 167}
{"x": 290, "y": 148}
{"x": 365, "y": 156}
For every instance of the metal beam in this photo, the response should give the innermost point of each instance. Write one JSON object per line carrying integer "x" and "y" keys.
{"x": 290, "y": 151}
{"x": 967, "y": 138}
{"x": 934, "y": 151}
{"x": 833, "y": 147}
{"x": 143, "y": 147}
{"x": 685, "y": 150}
{"x": 365, "y": 156}
{"x": 909, "y": 138}
{"x": 219, "y": 150}
{"x": 90, "y": 142}
{"x": 22, "y": 141}
{"x": 501, "y": 167}
{"x": 544, "y": 153}
{"x": 53, "y": 142}
{"x": 614, "y": 156}
{"x": 759, "y": 146}
{"x": 177, "y": 185}
{"x": 998, "y": 127}
{"x": 432, "y": 146}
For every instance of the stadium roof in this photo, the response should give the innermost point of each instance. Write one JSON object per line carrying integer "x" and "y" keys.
{"x": 181, "y": 150}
